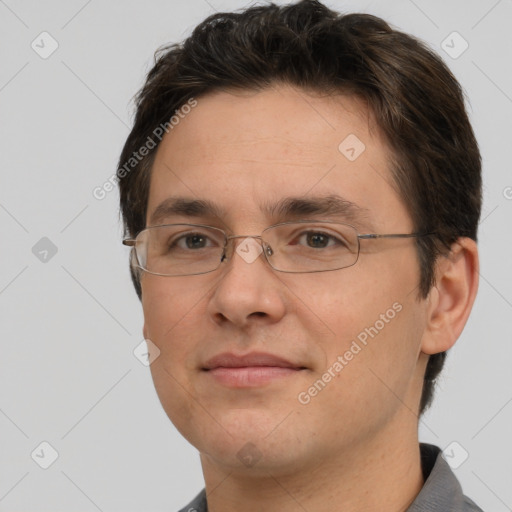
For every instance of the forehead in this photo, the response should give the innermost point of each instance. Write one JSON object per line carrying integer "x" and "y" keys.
{"x": 244, "y": 149}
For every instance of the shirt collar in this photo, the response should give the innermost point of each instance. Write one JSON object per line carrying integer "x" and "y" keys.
{"x": 441, "y": 490}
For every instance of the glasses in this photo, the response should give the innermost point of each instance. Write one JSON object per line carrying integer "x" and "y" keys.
{"x": 295, "y": 247}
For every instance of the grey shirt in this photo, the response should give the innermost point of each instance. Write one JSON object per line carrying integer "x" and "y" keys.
{"x": 441, "y": 491}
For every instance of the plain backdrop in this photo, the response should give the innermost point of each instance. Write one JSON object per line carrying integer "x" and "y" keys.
{"x": 70, "y": 320}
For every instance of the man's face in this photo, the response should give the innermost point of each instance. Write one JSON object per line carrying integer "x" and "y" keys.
{"x": 243, "y": 152}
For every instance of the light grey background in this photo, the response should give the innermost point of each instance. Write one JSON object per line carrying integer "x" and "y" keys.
{"x": 68, "y": 375}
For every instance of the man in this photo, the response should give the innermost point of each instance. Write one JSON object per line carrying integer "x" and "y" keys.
{"x": 302, "y": 191}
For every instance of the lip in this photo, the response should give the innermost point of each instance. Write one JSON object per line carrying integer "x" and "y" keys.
{"x": 249, "y": 370}
{"x": 230, "y": 360}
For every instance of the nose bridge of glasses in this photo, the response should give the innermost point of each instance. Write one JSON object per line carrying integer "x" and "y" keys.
{"x": 231, "y": 237}
{"x": 232, "y": 243}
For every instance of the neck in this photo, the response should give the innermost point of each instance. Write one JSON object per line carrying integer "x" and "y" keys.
{"x": 381, "y": 474}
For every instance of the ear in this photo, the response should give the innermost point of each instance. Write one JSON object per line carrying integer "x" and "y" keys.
{"x": 145, "y": 332}
{"x": 451, "y": 298}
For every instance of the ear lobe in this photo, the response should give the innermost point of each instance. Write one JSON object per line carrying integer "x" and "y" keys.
{"x": 452, "y": 297}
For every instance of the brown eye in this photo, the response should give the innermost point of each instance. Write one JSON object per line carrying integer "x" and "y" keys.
{"x": 195, "y": 241}
{"x": 317, "y": 240}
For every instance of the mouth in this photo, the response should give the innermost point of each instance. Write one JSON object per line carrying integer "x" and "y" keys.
{"x": 250, "y": 370}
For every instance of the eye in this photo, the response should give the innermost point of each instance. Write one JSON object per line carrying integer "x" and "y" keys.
{"x": 317, "y": 240}
{"x": 191, "y": 241}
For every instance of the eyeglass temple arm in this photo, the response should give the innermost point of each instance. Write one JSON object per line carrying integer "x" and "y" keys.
{"x": 129, "y": 242}
{"x": 399, "y": 235}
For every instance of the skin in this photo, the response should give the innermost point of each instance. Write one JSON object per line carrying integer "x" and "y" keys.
{"x": 355, "y": 443}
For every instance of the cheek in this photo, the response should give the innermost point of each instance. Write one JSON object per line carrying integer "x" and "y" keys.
{"x": 369, "y": 374}
{"x": 374, "y": 323}
{"x": 342, "y": 303}
{"x": 171, "y": 311}
{"x": 167, "y": 303}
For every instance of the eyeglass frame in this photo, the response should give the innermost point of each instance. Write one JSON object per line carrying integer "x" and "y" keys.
{"x": 131, "y": 242}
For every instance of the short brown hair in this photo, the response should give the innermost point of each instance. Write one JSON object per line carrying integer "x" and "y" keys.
{"x": 417, "y": 103}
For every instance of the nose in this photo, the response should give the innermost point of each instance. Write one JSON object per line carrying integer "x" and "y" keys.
{"x": 249, "y": 291}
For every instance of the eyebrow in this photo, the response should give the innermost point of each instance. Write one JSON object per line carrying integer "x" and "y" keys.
{"x": 288, "y": 208}
{"x": 332, "y": 205}
{"x": 184, "y": 207}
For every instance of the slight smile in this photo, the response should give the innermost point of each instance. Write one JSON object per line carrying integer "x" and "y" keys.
{"x": 250, "y": 370}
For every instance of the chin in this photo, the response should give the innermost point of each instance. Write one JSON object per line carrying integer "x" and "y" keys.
{"x": 251, "y": 441}
{"x": 257, "y": 458}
